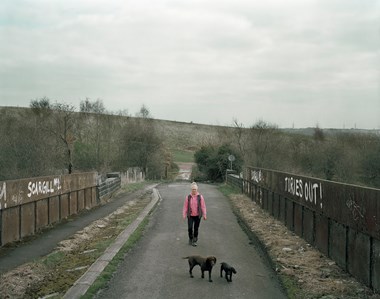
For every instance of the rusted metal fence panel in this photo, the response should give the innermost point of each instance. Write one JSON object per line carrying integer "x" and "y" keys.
{"x": 359, "y": 264}
{"x": 282, "y": 214}
{"x": 298, "y": 219}
{"x": 22, "y": 191}
{"x": 42, "y": 214}
{"x": 270, "y": 202}
{"x": 265, "y": 199}
{"x": 322, "y": 233}
{"x": 375, "y": 269}
{"x": 64, "y": 206}
{"x": 341, "y": 220}
{"x": 81, "y": 202}
{"x": 308, "y": 225}
{"x": 289, "y": 214}
{"x": 27, "y": 219}
{"x": 10, "y": 216}
{"x": 31, "y": 204}
{"x": 73, "y": 206}
{"x": 276, "y": 206}
{"x": 350, "y": 205}
{"x": 53, "y": 209}
{"x": 338, "y": 243}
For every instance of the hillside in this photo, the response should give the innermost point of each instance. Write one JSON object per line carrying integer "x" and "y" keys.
{"x": 331, "y": 131}
{"x": 35, "y": 145}
{"x": 188, "y": 136}
{"x": 181, "y": 135}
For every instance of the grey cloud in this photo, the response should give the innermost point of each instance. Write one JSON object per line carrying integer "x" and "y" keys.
{"x": 282, "y": 61}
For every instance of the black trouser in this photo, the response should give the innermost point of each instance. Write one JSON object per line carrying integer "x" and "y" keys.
{"x": 192, "y": 226}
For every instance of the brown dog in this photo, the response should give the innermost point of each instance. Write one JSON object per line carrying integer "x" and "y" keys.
{"x": 228, "y": 271}
{"x": 206, "y": 264}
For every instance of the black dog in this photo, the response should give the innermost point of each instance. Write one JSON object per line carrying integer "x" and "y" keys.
{"x": 228, "y": 269}
{"x": 206, "y": 264}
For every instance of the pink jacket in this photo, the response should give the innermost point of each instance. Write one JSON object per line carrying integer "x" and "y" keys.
{"x": 194, "y": 206}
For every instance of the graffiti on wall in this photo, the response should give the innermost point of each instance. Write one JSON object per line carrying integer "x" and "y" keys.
{"x": 308, "y": 191}
{"x": 257, "y": 176}
{"x": 44, "y": 187}
{"x": 355, "y": 209}
{"x": 3, "y": 193}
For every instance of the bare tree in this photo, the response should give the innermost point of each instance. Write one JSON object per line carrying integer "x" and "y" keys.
{"x": 23, "y": 147}
{"x": 56, "y": 120}
{"x": 93, "y": 113}
{"x": 318, "y": 134}
{"x": 261, "y": 143}
{"x": 241, "y": 138}
{"x": 140, "y": 142}
{"x": 144, "y": 112}
{"x": 63, "y": 128}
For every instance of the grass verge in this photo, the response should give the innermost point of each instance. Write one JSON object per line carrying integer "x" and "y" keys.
{"x": 287, "y": 283}
{"x": 103, "y": 279}
{"x": 228, "y": 190}
{"x": 60, "y": 269}
{"x": 183, "y": 156}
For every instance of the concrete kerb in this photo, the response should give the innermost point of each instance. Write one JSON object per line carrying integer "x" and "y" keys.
{"x": 81, "y": 286}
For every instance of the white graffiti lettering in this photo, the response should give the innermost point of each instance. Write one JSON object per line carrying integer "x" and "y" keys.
{"x": 3, "y": 191}
{"x": 355, "y": 208}
{"x": 3, "y": 195}
{"x": 44, "y": 187}
{"x": 256, "y": 176}
{"x": 294, "y": 186}
{"x": 312, "y": 191}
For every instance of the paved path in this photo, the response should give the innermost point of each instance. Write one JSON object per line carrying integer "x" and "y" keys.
{"x": 184, "y": 172}
{"x": 154, "y": 268}
{"x": 81, "y": 286}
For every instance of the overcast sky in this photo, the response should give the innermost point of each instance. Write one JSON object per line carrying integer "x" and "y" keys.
{"x": 296, "y": 63}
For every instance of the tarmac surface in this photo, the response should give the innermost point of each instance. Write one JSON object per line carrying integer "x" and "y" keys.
{"x": 154, "y": 267}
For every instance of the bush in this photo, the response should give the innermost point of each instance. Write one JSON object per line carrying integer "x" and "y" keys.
{"x": 213, "y": 162}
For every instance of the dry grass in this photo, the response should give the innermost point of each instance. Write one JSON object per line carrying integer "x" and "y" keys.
{"x": 56, "y": 273}
{"x": 304, "y": 271}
